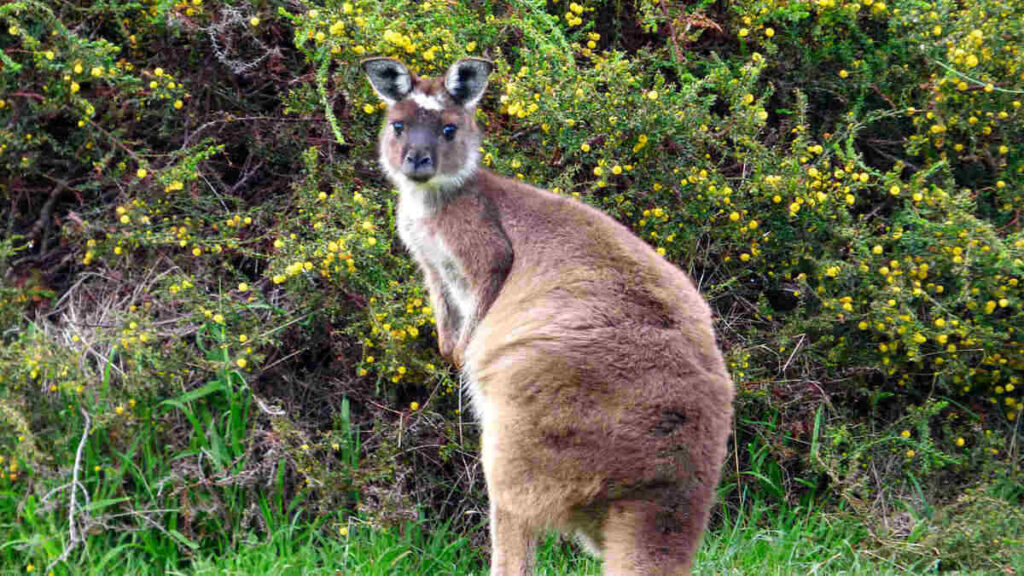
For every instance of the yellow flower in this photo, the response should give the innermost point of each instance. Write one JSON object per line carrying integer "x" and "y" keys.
{"x": 744, "y": 33}
{"x": 178, "y": 104}
{"x": 414, "y": 406}
{"x": 735, "y": 216}
{"x": 343, "y": 531}
{"x": 141, "y": 173}
{"x": 894, "y": 190}
{"x": 243, "y": 287}
{"x": 905, "y": 433}
{"x": 911, "y": 453}
{"x": 254, "y": 21}
{"x": 843, "y": 73}
{"x": 119, "y": 410}
{"x": 652, "y": 95}
{"x": 971, "y": 61}
{"x": 241, "y": 362}
{"x": 960, "y": 442}
{"x": 585, "y": 147}
{"x": 769, "y": 32}
{"x": 471, "y": 47}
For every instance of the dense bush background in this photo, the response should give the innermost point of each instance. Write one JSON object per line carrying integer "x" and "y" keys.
{"x": 210, "y": 330}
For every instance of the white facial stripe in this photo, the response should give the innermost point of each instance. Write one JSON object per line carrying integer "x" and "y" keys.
{"x": 427, "y": 102}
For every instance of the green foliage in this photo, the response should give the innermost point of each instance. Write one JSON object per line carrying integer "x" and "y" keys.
{"x": 200, "y": 267}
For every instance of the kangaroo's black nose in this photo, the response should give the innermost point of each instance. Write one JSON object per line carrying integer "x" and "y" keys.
{"x": 419, "y": 160}
{"x": 419, "y": 165}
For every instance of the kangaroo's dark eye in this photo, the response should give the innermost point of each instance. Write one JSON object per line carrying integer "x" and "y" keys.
{"x": 449, "y": 131}
{"x": 398, "y": 126}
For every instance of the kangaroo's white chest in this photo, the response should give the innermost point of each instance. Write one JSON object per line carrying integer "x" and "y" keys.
{"x": 430, "y": 250}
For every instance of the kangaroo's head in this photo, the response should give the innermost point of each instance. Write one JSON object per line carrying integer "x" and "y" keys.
{"x": 430, "y": 140}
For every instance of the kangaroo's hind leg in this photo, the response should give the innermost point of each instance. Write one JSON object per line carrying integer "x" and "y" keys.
{"x": 512, "y": 544}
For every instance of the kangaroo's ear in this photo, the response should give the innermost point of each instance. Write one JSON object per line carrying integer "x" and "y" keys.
{"x": 389, "y": 77}
{"x": 467, "y": 79}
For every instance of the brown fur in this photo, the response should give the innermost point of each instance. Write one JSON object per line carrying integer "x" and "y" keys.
{"x": 605, "y": 404}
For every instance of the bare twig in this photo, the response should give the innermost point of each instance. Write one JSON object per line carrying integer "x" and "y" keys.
{"x": 795, "y": 350}
{"x": 75, "y": 538}
{"x": 238, "y": 19}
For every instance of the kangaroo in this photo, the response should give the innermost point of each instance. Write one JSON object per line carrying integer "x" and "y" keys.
{"x": 604, "y": 403}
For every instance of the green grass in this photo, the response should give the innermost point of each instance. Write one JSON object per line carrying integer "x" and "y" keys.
{"x": 755, "y": 541}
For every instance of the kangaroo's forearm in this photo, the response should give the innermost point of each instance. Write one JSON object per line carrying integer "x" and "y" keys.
{"x": 446, "y": 317}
